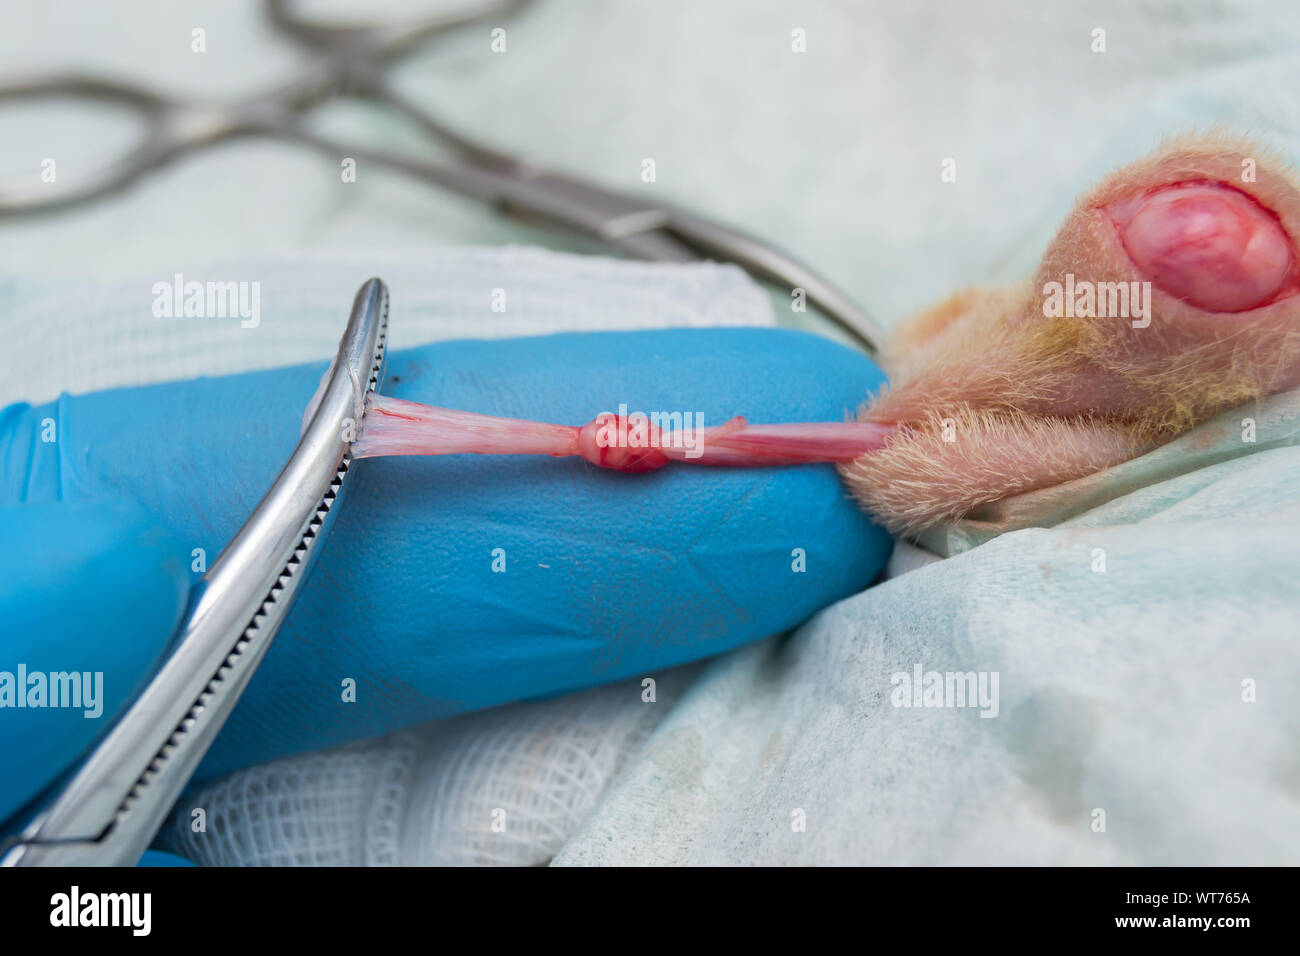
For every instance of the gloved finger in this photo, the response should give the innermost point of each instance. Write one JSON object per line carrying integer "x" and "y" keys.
{"x": 455, "y": 583}
{"x": 91, "y": 592}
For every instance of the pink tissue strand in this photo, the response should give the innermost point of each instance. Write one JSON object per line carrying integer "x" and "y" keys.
{"x": 393, "y": 426}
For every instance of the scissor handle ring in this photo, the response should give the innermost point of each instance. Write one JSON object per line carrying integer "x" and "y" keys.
{"x": 155, "y": 143}
{"x": 384, "y": 37}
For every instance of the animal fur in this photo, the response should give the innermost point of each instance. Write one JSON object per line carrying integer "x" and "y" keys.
{"x": 995, "y": 399}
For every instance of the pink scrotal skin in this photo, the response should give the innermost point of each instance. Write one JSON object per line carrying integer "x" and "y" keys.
{"x": 994, "y": 393}
{"x": 1207, "y": 243}
{"x": 393, "y": 426}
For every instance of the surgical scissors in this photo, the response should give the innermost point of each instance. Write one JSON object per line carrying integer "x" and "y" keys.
{"x": 351, "y": 59}
{"x": 110, "y": 808}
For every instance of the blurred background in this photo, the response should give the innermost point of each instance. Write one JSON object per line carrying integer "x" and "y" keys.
{"x": 834, "y": 153}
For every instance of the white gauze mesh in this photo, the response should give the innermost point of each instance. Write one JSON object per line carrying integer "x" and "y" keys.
{"x": 503, "y": 787}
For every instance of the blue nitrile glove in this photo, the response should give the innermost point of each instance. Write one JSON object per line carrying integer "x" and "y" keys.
{"x": 91, "y": 592}
{"x": 606, "y": 575}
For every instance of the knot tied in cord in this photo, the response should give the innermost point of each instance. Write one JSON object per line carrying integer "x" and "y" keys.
{"x": 633, "y": 443}
{"x": 611, "y": 441}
